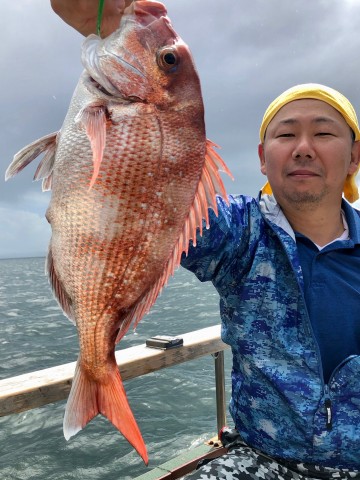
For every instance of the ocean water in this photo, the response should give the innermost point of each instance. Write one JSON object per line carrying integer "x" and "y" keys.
{"x": 175, "y": 407}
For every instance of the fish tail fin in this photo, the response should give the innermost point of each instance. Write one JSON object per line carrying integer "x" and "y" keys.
{"x": 114, "y": 405}
{"x": 82, "y": 404}
{"x": 88, "y": 398}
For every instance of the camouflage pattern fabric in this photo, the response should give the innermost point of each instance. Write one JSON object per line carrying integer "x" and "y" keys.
{"x": 280, "y": 402}
{"x": 245, "y": 463}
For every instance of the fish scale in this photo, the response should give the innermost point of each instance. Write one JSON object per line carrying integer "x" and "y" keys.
{"x": 132, "y": 177}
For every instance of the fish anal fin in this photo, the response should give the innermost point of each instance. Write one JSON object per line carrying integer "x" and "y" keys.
{"x": 27, "y": 154}
{"x": 93, "y": 118}
{"x": 59, "y": 292}
{"x": 89, "y": 397}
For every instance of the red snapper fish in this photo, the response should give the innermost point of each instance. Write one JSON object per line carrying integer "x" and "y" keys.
{"x": 132, "y": 177}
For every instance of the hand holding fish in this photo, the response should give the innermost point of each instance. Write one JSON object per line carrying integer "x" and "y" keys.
{"x": 82, "y": 14}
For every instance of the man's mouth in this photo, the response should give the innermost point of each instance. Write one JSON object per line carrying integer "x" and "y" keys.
{"x": 303, "y": 173}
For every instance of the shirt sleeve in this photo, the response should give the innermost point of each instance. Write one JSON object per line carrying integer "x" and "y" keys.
{"x": 228, "y": 233}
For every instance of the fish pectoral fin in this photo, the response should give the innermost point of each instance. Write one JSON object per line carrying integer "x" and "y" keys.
{"x": 93, "y": 118}
{"x": 27, "y": 154}
{"x": 88, "y": 398}
{"x": 59, "y": 292}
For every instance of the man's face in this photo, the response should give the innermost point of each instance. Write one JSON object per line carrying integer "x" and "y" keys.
{"x": 308, "y": 153}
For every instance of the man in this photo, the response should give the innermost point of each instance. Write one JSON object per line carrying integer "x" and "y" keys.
{"x": 286, "y": 266}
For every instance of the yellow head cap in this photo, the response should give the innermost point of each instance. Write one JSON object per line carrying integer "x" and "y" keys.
{"x": 327, "y": 95}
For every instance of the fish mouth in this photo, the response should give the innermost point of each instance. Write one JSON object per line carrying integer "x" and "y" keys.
{"x": 97, "y": 88}
{"x": 99, "y": 72}
{"x": 146, "y": 11}
{"x": 100, "y": 88}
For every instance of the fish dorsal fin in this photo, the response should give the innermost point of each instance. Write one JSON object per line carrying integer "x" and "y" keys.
{"x": 210, "y": 185}
{"x": 27, "y": 154}
{"x": 93, "y": 118}
{"x": 59, "y": 292}
{"x": 141, "y": 308}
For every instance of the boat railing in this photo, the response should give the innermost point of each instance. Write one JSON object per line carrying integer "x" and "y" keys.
{"x": 35, "y": 389}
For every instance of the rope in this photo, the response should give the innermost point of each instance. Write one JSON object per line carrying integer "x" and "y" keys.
{"x": 99, "y": 17}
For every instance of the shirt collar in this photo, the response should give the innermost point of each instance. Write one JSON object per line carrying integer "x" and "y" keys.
{"x": 353, "y": 221}
{"x": 272, "y": 211}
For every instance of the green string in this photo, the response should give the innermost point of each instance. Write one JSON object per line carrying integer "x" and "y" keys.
{"x": 99, "y": 17}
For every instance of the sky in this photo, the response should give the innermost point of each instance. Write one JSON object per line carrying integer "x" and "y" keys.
{"x": 246, "y": 52}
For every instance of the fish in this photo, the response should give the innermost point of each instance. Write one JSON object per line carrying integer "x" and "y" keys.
{"x": 132, "y": 176}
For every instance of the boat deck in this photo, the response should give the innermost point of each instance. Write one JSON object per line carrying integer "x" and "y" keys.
{"x": 185, "y": 463}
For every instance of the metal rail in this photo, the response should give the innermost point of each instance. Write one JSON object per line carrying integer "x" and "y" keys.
{"x": 220, "y": 390}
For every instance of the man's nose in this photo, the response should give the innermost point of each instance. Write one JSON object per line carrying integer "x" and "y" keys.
{"x": 303, "y": 148}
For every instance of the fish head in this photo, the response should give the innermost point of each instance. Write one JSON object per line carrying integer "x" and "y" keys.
{"x": 144, "y": 60}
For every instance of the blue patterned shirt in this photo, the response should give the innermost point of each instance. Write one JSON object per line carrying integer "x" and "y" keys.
{"x": 280, "y": 403}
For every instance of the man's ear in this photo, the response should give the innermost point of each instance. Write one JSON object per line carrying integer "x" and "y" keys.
{"x": 262, "y": 158}
{"x": 355, "y": 158}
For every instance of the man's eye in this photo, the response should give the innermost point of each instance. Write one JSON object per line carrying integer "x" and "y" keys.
{"x": 285, "y": 135}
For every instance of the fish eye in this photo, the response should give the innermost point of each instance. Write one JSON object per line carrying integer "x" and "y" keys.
{"x": 167, "y": 58}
